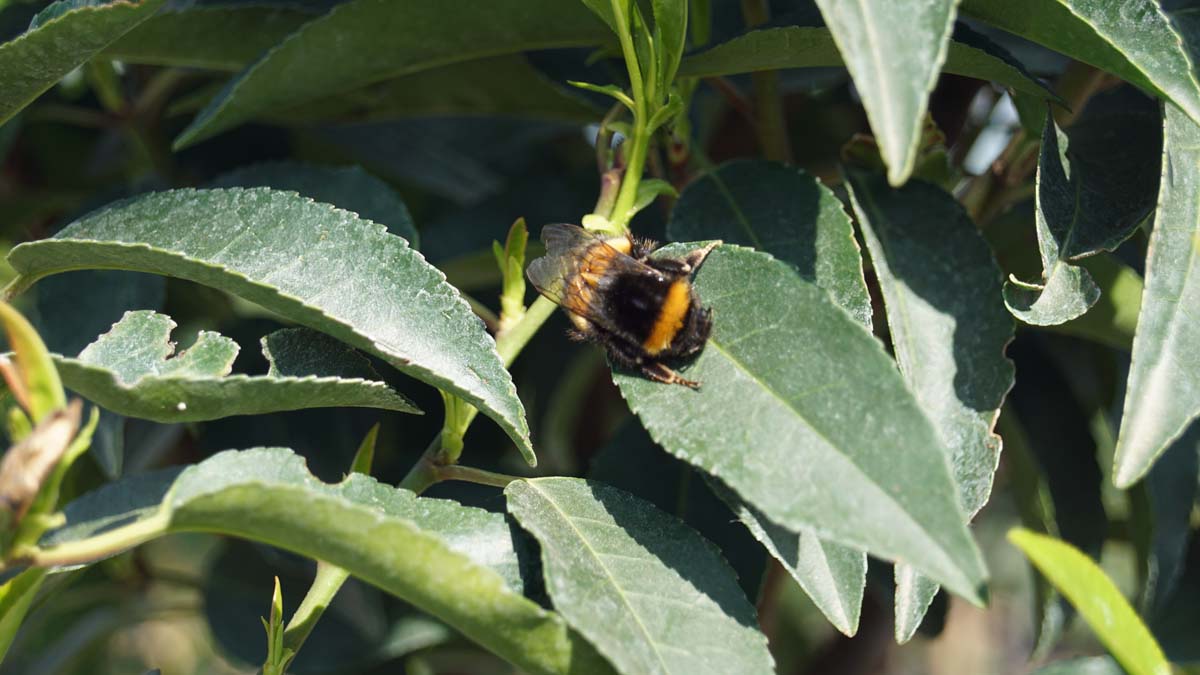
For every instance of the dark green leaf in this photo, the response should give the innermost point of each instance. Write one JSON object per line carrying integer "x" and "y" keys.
{"x": 649, "y": 592}
{"x": 325, "y": 56}
{"x": 781, "y": 211}
{"x": 783, "y": 375}
{"x": 457, "y": 563}
{"x": 319, "y": 266}
{"x": 132, "y": 370}
{"x": 69, "y": 36}
{"x": 1171, "y": 487}
{"x": 1096, "y": 185}
{"x": 349, "y": 187}
{"x": 504, "y": 85}
{"x": 1097, "y": 599}
{"x": 1131, "y": 39}
{"x": 942, "y": 295}
{"x": 832, "y": 575}
{"x": 894, "y": 50}
{"x": 969, "y": 54}
{"x": 1162, "y": 395}
{"x": 220, "y": 37}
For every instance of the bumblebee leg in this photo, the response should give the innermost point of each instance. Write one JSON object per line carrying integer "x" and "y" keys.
{"x": 696, "y": 258}
{"x": 661, "y": 373}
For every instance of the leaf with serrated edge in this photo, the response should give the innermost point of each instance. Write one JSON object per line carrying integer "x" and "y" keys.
{"x": 1097, "y": 599}
{"x": 346, "y": 187}
{"x": 1131, "y": 39}
{"x": 32, "y": 62}
{"x": 894, "y": 50}
{"x": 833, "y": 576}
{"x": 786, "y": 212}
{"x": 782, "y": 211}
{"x": 455, "y": 562}
{"x": 648, "y": 591}
{"x": 316, "y": 265}
{"x": 131, "y": 370}
{"x": 941, "y": 289}
{"x": 1095, "y": 185}
{"x": 325, "y": 56}
{"x": 1163, "y": 393}
{"x": 804, "y": 415}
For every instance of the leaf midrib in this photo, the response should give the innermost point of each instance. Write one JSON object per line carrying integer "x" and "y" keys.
{"x": 608, "y": 573}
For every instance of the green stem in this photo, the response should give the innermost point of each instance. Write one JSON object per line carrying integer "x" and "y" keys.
{"x": 100, "y": 546}
{"x": 473, "y": 475}
{"x": 325, "y": 585}
{"x": 623, "y": 211}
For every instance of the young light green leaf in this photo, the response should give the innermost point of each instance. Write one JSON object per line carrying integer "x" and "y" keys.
{"x": 1095, "y": 185}
{"x": 218, "y": 37}
{"x": 802, "y": 413}
{"x": 321, "y": 267}
{"x": 782, "y": 211}
{"x": 1097, "y": 599}
{"x": 43, "y": 391}
{"x": 1163, "y": 393}
{"x": 941, "y": 289}
{"x": 894, "y": 50}
{"x": 833, "y": 576}
{"x": 1131, "y": 39}
{"x": 324, "y": 56}
{"x": 132, "y": 370}
{"x": 16, "y": 595}
{"x": 968, "y": 53}
{"x": 500, "y": 86}
{"x": 454, "y": 562}
{"x": 346, "y": 187}
{"x": 68, "y": 35}
{"x": 670, "y": 28}
{"x": 645, "y": 589}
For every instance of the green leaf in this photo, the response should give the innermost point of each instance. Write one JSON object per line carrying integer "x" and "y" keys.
{"x": 894, "y": 50}
{"x": 132, "y": 370}
{"x": 16, "y": 595}
{"x": 788, "y": 213}
{"x": 504, "y": 86}
{"x": 670, "y": 38}
{"x": 949, "y": 330}
{"x": 832, "y": 575}
{"x": 782, "y": 211}
{"x": 651, "y": 594}
{"x": 346, "y": 187}
{"x": 325, "y": 56}
{"x": 454, "y": 562}
{"x": 68, "y": 37}
{"x": 219, "y": 37}
{"x": 316, "y": 265}
{"x": 1112, "y": 321}
{"x": 1162, "y": 396}
{"x": 1097, "y": 599}
{"x": 43, "y": 388}
{"x": 802, "y": 413}
{"x": 1171, "y": 488}
{"x": 1095, "y": 186}
{"x": 968, "y": 53}
{"x": 1131, "y": 39}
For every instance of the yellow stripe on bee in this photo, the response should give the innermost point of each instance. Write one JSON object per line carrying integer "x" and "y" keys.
{"x": 670, "y": 318}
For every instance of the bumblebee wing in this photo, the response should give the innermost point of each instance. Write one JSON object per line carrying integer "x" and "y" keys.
{"x": 575, "y": 269}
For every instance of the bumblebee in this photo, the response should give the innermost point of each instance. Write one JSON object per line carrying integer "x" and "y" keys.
{"x": 642, "y": 310}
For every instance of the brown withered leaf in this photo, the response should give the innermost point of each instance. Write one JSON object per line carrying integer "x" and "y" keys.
{"x": 27, "y": 464}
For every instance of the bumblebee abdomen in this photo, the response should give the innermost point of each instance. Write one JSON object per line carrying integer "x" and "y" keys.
{"x": 650, "y": 311}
